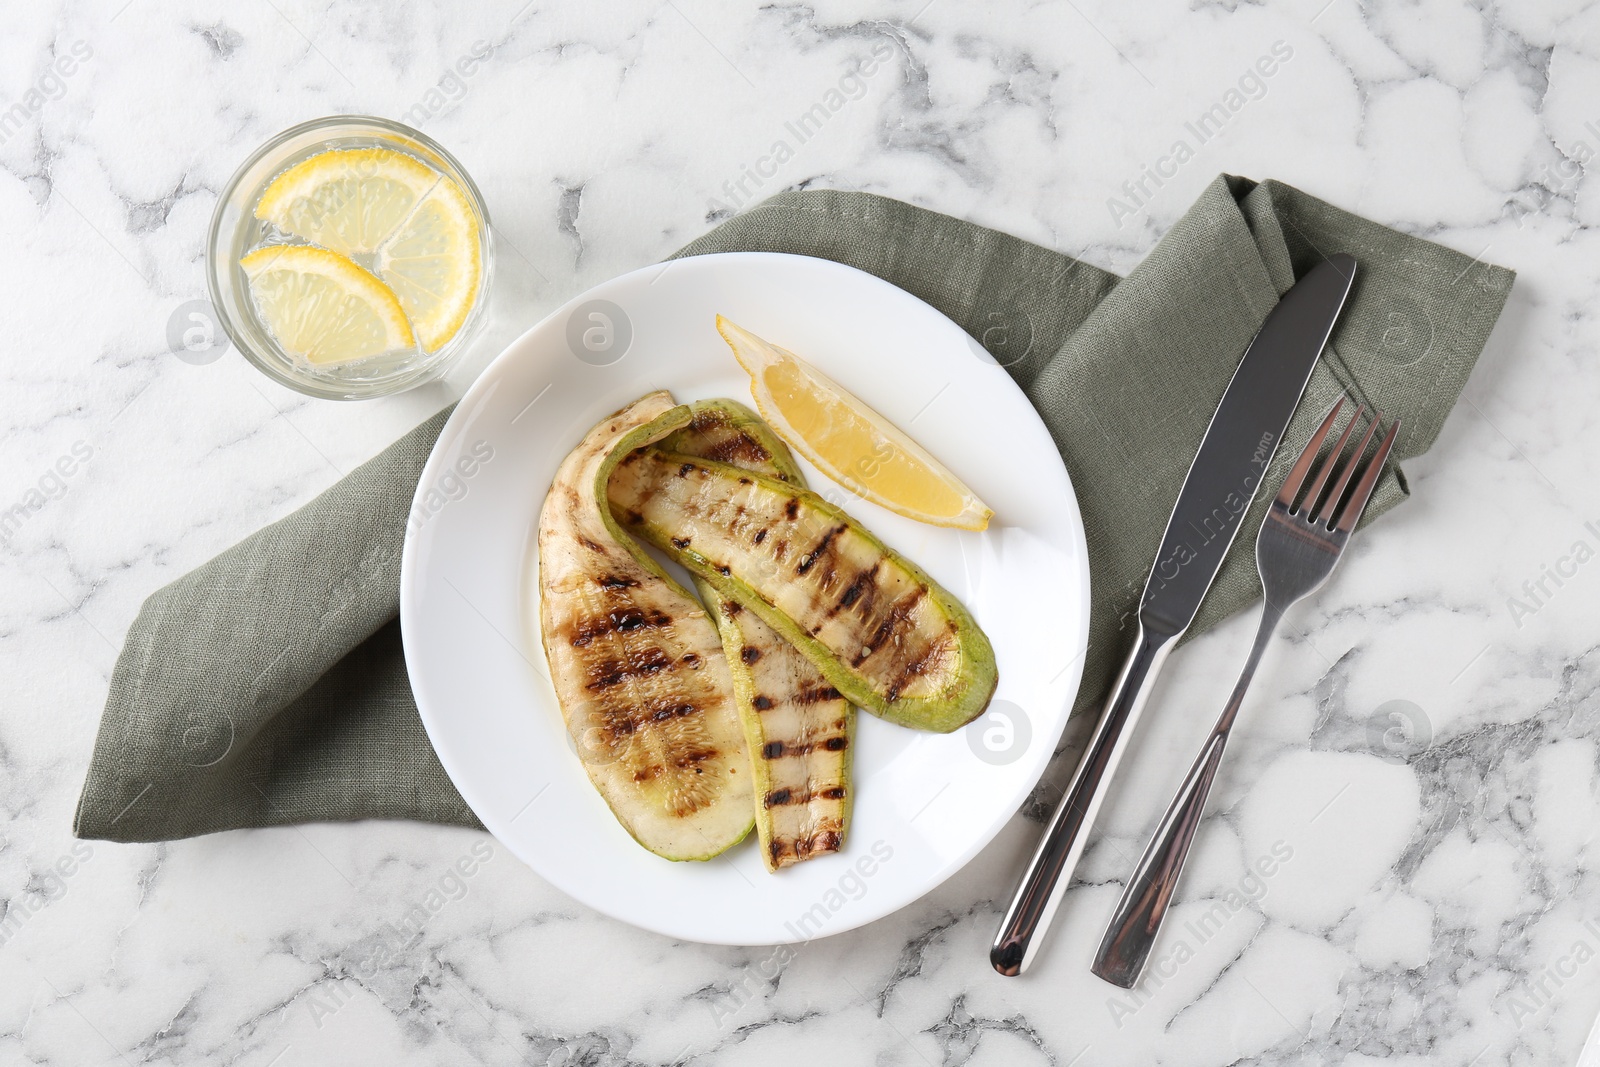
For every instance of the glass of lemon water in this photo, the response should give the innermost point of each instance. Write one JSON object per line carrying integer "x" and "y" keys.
{"x": 349, "y": 258}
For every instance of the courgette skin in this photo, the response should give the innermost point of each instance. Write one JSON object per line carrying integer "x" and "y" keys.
{"x": 799, "y": 730}
{"x": 637, "y": 665}
{"x": 889, "y": 638}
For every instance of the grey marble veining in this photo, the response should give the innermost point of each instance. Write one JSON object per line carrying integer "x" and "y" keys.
{"x": 1401, "y": 860}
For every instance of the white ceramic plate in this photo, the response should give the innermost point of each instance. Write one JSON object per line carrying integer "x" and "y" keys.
{"x": 925, "y": 804}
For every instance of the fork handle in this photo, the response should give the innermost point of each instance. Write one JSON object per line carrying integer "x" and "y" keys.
{"x": 1048, "y": 873}
{"x": 1137, "y": 920}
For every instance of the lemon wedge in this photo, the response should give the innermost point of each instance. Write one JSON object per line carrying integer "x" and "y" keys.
{"x": 347, "y": 200}
{"x": 434, "y": 263}
{"x": 322, "y": 307}
{"x": 847, "y": 440}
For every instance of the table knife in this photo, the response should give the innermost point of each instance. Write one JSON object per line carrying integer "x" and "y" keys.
{"x": 1232, "y": 459}
{"x": 1590, "y": 1056}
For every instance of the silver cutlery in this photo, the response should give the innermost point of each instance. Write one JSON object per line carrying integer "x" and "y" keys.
{"x": 1301, "y": 540}
{"x": 1232, "y": 459}
{"x": 1590, "y": 1056}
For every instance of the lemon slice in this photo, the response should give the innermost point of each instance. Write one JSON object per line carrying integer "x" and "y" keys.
{"x": 322, "y": 307}
{"x": 347, "y": 200}
{"x": 434, "y": 263}
{"x": 847, "y": 440}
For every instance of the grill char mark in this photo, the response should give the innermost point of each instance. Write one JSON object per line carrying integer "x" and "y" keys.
{"x": 607, "y": 673}
{"x": 717, "y": 438}
{"x": 809, "y": 560}
{"x": 917, "y": 665}
{"x": 789, "y": 749}
{"x": 865, "y": 585}
{"x": 824, "y": 841}
{"x": 739, "y": 450}
{"x": 675, "y": 712}
{"x": 899, "y": 615}
{"x": 618, "y": 724}
{"x": 780, "y": 798}
{"x": 628, "y": 620}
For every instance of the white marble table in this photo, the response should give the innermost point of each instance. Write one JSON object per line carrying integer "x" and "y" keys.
{"x": 1421, "y": 757}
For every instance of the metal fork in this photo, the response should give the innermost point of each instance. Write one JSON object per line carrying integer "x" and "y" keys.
{"x": 1295, "y": 553}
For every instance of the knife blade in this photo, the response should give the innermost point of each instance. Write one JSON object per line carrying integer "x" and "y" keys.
{"x": 1590, "y": 1056}
{"x": 1227, "y": 469}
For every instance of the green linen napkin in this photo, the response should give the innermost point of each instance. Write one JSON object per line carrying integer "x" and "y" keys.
{"x": 268, "y": 687}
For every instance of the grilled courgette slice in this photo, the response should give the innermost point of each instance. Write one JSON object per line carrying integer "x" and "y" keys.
{"x": 798, "y": 728}
{"x": 889, "y": 638}
{"x": 637, "y": 664}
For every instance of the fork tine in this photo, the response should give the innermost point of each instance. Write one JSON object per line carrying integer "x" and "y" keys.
{"x": 1297, "y": 474}
{"x": 1330, "y": 506}
{"x": 1328, "y": 465}
{"x": 1369, "y": 477}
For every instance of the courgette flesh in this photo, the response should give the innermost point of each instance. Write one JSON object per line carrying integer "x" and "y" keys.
{"x": 799, "y": 730}
{"x": 883, "y": 633}
{"x": 637, "y": 665}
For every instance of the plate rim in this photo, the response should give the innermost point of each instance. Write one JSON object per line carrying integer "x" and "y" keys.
{"x": 411, "y": 570}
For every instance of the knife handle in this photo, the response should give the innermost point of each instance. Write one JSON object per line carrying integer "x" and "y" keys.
{"x": 1046, "y": 878}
